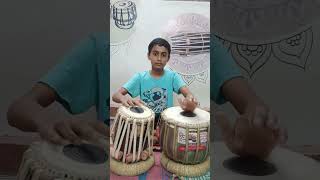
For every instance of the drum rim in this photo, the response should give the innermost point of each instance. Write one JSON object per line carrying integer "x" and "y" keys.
{"x": 202, "y": 124}
{"x": 38, "y": 156}
{"x": 125, "y": 112}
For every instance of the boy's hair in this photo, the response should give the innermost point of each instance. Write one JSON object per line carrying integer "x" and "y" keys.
{"x": 159, "y": 42}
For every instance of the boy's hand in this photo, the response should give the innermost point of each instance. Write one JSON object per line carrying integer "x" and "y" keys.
{"x": 72, "y": 131}
{"x": 188, "y": 104}
{"x": 248, "y": 138}
{"x": 127, "y": 101}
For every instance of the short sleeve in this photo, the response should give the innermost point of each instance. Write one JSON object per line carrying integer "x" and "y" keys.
{"x": 133, "y": 86}
{"x": 223, "y": 68}
{"x": 75, "y": 78}
{"x": 177, "y": 83}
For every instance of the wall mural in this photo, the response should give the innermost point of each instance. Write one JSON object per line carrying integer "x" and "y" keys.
{"x": 123, "y": 15}
{"x": 254, "y": 31}
{"x": 189, "y": 36}
{"x": 293, "y": 51}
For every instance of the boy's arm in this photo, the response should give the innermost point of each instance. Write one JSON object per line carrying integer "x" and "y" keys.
{"x": 120, "y": 97}
{"x": 256, "y": 130}
{"x": 190, "y": 102}
{"x": 186, "y": 92}
{"x": 23, "y": 111}
{"x": 239, "y": 93}
{"x": 30, "y": 113}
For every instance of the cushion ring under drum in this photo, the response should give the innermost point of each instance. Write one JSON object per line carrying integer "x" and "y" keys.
{"x": 185, "y": 170}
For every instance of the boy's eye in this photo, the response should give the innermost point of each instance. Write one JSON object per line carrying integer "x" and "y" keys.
{"x": 155, "y": 53}
{"x": 164, "y": 55}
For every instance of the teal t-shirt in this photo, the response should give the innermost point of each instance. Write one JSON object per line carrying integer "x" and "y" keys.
{"x": 157, "y": 93}
{"x": 81, "y": 79}
{"x": 222, "y": 67}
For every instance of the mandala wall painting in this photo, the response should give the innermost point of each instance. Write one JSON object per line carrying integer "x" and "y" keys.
{"x": 123, "y": 15}
{"x": 189, "y": 37}
{"x": 254, "y": 31}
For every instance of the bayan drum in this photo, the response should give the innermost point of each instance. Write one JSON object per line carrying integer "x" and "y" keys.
{"x": 44, "y": 161}
{"x": 124, "y": 14}
{"x": 185, "y": 141}
{"x": 132, "y": 141}
{"x": 282, "y": 164}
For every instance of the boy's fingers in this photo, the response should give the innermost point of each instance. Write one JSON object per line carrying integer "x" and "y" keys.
{"x": 101, "y": 128}
{"x": 142, "y": 102}
{"x": 283, "y": 136}
{"x": 125, "y": 103}
{"x": 67, "y": 133}
{"x": 225, "y": 126}
{"x": 181, "y": 103}
{"x": 138, "y": 102}
{"x": 273, "y": 121}
{"x": 260, "y": 116}
{"x": 55, "y": 138}
{"x": 130, "y": 102}
{"x": 88, "y": 133}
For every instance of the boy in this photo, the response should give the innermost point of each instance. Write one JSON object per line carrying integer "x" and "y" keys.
{"x": 156, "y": 86}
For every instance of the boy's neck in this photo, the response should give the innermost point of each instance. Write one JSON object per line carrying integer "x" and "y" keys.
{"x": 156, "y": 73}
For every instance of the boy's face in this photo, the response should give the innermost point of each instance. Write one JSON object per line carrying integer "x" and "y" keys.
{"x": 159, "y": 56}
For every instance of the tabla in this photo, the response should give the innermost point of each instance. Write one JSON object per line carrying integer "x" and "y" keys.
{"x": 124, "y": 14}
{"x": 131, "y": 141}
{"x": 44, "y": 161}
{"x": 288, "y": 165}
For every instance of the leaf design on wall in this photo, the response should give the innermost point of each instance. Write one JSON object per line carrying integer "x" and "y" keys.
{"x": 251, "y": 57}
{"x": 202, "y": 77}
{"x": 294, "y": 50}
{"x": 188, "y": 79}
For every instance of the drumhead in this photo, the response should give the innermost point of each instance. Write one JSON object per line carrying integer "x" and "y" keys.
{"x": 175, "y": 116}
{"x": 56, "y": 159}
{"x": 140, "y": 114}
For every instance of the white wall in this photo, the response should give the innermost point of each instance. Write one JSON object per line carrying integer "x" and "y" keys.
{"x": 153, "y": 16}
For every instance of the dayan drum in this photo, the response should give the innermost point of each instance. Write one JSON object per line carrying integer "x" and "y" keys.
{"x": 132, "y": 141}
{"x": 124, "y": 13}
{"x": 185, "y": 137}
{"x": 190, "y": 43}
{"x": 44, "y": 161}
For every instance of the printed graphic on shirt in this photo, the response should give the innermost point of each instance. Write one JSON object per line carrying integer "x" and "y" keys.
{"x": 156, "y": 99}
